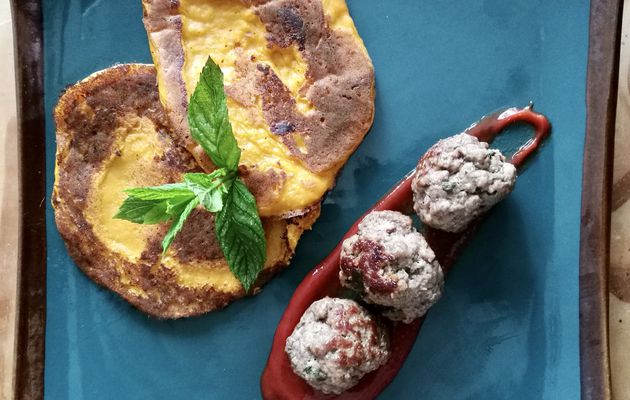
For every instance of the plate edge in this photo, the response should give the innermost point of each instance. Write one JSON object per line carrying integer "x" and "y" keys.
{"x": 601, "y": 106}
{"x": 31, "y": 301}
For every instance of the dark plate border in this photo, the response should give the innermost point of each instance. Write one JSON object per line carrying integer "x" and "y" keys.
{"x": 31, "y": 301}
{"x": 601, "y": 106}
{"x": 601, "y": 101}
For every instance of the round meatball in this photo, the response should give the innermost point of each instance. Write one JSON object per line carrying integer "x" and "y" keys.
{"x": 458, "y": 180}
{"x": 391, "y": 265}
{"x": 335, "y": 343}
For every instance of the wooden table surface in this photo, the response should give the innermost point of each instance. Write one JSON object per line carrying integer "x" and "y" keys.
{"x": 619, "y": 319}
{"x": 619, "y": 308}
{"x": 8, "y": 203}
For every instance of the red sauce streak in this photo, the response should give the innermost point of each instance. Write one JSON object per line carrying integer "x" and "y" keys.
{"x": 278, "y": 381}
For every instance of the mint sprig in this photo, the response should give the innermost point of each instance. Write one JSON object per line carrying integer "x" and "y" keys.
{"x": 210, "y": 189}
{"x": 178, "y": 223}
{"x": 237, "y": 225}
{"x": 154, "y": 205}
{"x": 240, "y": 233}
{"x": 208, "y": 119}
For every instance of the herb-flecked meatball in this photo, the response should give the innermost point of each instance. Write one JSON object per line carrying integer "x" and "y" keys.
{"x": 335, "y": 343}
{"x": 391, "y": 265}
{"x": 458, "y": 180}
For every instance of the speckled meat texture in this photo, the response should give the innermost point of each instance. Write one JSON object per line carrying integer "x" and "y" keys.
{"x": 458, "y": 180}
{"x": 335, "y": 343}
{"x": 391, "y": 265}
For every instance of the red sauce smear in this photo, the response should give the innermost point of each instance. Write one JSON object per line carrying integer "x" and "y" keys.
{"x": 278, "y": 381}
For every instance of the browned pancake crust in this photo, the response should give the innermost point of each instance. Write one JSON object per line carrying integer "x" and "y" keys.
{"x": 340, "y": 84}
{"x": 85, "y": 139}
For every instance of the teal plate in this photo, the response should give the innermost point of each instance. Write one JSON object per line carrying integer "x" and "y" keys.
{"x": 507, "y": 326}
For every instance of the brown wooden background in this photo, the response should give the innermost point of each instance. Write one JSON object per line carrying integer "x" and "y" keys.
{"x": 8, "y": 204}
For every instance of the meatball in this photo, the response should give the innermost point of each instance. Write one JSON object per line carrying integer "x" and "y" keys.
{"x": 335, "y": 343}
{"x": 458, "y": 180}
{"x": 391, "y": 265}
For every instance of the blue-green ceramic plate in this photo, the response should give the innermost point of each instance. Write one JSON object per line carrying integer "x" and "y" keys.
{"x": 507, "y": 326}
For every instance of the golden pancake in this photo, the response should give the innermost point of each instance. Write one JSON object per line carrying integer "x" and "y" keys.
{"x": 113, "y": 134}
{"x": 299, "y": 81}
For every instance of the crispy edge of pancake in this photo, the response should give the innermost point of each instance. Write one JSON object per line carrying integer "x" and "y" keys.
{"x": 82, "y": 145}
{"x": 340, "y": 85}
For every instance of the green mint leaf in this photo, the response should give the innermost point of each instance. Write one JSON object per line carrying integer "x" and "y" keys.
{"x": 238, "y": 227}
{"x": 178, "y": 224}
{"x": 143, "y": 211}
{"x": 153, "y": 205}
{"x": 163, "y": 192}
{"x": 175, "y": 206}
{"x": 210, "y": 189}
{"x": 241, "y": 235}
{"x": 208, "y": 119}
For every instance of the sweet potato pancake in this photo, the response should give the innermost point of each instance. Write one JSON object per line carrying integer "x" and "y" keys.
{"x": 299, "y": 81}
{"x": 113, "y": 134}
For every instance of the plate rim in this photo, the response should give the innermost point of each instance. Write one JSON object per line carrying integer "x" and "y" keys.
{"x": 601, "y": 97}
{"x": 30, "y": 332}
{"x": 601, "y": 108}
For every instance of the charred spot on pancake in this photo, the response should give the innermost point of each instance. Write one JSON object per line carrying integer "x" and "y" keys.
{"x": 277, "y": 103}
{"x": 262, "y": 184}
{"x": 197, "y": 240}
{"x": 292, "y": 22}
{"x": 176, "y": 160}
{"x": 279, "y": 107}
{"x": 153, "y": 250}
{"x": 282, "y": 128}
{"x": 168, "y": 8}
{"x": 287, "y": 27}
